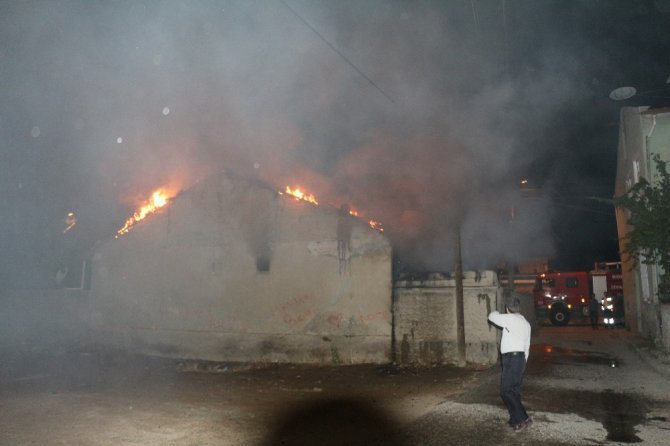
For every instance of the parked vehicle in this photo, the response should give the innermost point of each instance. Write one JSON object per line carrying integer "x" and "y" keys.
{"x": 561, "y": 296}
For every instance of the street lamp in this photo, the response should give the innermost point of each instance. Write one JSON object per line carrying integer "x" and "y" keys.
{"x": 627, "y": 92}
{"x": 622, "y": 93}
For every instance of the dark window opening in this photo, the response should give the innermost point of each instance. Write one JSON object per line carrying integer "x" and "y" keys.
{"x": 571, "y": 282}
{"x": 263, "y": 264}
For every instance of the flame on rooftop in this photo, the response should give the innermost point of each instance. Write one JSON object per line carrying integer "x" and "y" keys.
{"x": 159, "y": 198}
{"x": 301, "y": 195}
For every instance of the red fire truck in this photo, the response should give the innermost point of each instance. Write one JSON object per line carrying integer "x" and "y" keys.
{"x": 562, "y": 295}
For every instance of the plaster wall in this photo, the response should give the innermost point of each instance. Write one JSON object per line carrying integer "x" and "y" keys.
{"x": 233, "y": 271}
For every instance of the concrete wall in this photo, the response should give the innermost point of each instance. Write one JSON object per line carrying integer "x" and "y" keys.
{"x": 425, "y": 320}
{"x": 234, "y": 271}
{"x": 527, "y": 307}
{"x": 651, "y": 320}
{"x": 664, "y": 335}
{"x": 656, "y": 323}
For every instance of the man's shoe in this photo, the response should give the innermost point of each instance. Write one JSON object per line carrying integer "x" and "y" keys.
{"x": 523, "y": 425}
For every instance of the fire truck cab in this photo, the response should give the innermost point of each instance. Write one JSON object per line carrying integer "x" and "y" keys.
{"x": 561, "y": 296}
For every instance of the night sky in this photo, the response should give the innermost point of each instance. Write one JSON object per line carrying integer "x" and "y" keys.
{"x": 424, "y": 115}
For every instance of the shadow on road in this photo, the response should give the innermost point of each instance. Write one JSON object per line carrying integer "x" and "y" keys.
{"x": 334, "y": 422}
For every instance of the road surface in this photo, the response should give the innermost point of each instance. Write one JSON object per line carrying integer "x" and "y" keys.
{"x": 583, "y": 387}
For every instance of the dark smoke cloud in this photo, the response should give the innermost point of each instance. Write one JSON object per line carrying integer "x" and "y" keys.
{"x": 408, "y": 111}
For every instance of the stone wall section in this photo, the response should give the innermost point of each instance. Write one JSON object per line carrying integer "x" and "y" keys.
{"x": 425, "y": 328}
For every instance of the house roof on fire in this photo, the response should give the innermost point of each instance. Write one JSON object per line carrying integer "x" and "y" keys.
{"x": 216, "y": 180}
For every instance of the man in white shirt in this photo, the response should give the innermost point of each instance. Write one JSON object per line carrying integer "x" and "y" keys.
{"x": 514, "y": 348}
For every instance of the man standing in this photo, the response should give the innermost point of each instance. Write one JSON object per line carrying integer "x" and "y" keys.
{"x": 514, "y": 347}
{"x": 593, "y": 311}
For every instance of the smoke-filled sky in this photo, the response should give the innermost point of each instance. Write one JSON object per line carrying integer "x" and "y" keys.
{"x": 420, "y": 114}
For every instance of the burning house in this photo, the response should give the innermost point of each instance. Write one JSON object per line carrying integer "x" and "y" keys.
{"x": 234, "y": 270}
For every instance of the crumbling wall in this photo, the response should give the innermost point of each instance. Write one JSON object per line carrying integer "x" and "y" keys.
{"x": 232, "y": 271}
{"x": 425, "y": 326}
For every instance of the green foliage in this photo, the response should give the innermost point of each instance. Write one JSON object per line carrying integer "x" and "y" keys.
{"x": 648, "y": 208}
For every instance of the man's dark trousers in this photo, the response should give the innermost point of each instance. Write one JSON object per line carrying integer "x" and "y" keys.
{"x": 513, "y": 367}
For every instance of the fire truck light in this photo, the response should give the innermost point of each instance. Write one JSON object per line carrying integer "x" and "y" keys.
{"x": 569, "y": 306}
{"x": 583, "y": 300}
{"x": 549, "y": 306}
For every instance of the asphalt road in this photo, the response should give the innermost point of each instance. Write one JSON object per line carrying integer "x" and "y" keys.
{"x": 582, "y": 387}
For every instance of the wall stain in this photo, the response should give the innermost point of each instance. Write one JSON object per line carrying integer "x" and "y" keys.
{"x": 487, "y": 298}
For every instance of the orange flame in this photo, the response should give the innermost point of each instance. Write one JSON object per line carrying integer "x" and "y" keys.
{"x": 376, "y": 225}
{"x": 159, "y": 198}
{"x": 70, "y": 221}
{"x": 300, "y": 195}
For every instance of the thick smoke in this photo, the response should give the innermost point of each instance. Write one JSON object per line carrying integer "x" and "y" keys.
{"x": 410, "y": 112}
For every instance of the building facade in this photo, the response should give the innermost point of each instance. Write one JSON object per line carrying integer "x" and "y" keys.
{"x": 643, "y": 133}
{"x": 233, "y": 270}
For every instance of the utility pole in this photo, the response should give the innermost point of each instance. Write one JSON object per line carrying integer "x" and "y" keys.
{"x": 460, "y": 315}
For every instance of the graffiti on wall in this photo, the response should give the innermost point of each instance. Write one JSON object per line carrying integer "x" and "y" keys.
{"x": 301, "y": 309}
{"x": 296, "y": 310}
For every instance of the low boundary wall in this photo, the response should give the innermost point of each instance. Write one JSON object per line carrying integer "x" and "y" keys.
{"x": 425, "y": 327}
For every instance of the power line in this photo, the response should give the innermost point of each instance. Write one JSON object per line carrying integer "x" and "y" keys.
{"x": 338, "y": 52}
